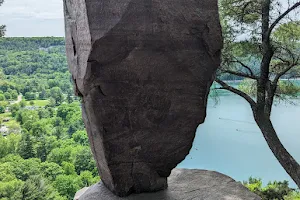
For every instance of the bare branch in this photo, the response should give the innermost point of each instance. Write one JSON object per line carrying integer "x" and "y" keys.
{"x": 273, "y": 25}
{"x": 241, "y": 74}
{"x": 282, "y": 60}
{"x": 244, "y": 65}
{"x": 225, "y": 86}
{"x": 280, "y": 74}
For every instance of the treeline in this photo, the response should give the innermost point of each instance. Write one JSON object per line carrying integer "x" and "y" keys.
{"x": 33, "y": 43}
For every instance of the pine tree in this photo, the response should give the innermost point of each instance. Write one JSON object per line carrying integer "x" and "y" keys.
{"x": 26, "y": 146}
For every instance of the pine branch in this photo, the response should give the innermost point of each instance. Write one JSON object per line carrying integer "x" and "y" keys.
{"x": 241, "y": 74}
{"x": 225, "y": 86}
{"x": 244, "y": 65}
{"x": 280, "y": 74}
{"x": 273, "y": 25}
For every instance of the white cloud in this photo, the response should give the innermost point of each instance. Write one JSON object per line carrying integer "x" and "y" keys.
{"x": 32, "y": 17}
{"x": 40, "y": 9}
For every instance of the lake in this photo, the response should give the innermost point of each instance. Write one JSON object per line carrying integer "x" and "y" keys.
{"x": 230, "y": 142}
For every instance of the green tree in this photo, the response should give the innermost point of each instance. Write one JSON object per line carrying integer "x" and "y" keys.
{"x": 14, "y": 94}
{"x": 14, "y": 109}
{"x": 2, "y": 109}
{"x": 293, "y": 196}
{"x": 22, "y": 103}
{"x": 51, "y": 170}
{"x": 2, "y": 97}
{"x": 84, "y": 160}
{"x": 10, "y": 186}
{"x": 258, "y": 30}
{"x": 81, "y": 138}
{"x": 26, "y": 146}
{"x": 37, "y": 188}
{"x": 23, "y": 168}
{"x": 41, "y": 150}
{"x": 9, "y": 144}
{"x": 86, "y": 179}
{"x": 30, "y": 96}
{"x": 69, "y": 168}
{"x": 3, "y": 147}
{"x": 7, "y": 96}
{"x": 57, "y": 95}
{"x": 60, "y": 155}
{"x": 67, "y": 185}
{"x": 274, "y": 190}
{"x": 43, "y": 94}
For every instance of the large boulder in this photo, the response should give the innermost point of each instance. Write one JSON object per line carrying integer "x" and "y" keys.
{"x": 143, "y": 69}
{"x": 184, "y": 184}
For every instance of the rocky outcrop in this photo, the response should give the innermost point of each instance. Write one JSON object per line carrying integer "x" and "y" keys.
{"x": 143, "y": 69}
{"x": 184, "y": 184}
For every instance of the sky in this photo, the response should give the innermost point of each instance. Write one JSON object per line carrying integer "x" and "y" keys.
{"x": 29, "y": 18}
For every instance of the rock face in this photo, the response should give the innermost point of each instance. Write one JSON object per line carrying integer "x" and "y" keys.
{"x": 143, "y": 69}
{"x": 184, "y": 185}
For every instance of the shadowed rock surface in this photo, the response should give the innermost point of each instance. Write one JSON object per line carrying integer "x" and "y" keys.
{"x": 184, "y": 185}
{"x": 143, "y": 69}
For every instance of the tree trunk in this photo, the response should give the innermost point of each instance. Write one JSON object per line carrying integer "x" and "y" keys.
{"x": 286, "y": 160}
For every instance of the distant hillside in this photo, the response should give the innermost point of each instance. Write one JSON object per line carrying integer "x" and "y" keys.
{"x": 25, "y": 43}
{"x": 34, "y": 64}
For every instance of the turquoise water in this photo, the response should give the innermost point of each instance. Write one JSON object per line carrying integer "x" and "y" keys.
{"x": 230, "y": 142}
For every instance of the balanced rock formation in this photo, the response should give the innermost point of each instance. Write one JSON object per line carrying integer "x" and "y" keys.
{"x": 143, "y": 69}
{"x": 184, "y": 184}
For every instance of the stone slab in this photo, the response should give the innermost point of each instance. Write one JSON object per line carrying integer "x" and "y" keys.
{"x": 184, "y": 184}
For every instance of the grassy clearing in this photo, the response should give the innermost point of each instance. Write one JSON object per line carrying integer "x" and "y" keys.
{"x": 40, "y": 103}
{"x": 12, "y": 123}
{"x": 4, "y": 115}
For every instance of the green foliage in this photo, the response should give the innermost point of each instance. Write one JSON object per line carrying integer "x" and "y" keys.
{"x": 11, "y": 190}
{"x": 69, "y": 168}
{"x": 9, "y": 144}
{"x": 2, "y": 109}
{"x": 273, "y": 191}
{"x": 248, "y": 86}
{"x": 57, "y": 95}
{"x": 27, "y": 44}
{"x": 14, "y": 109}
{"x": 81, "y": 138}
{"x": 34, "y": 66}
{"x": 2, "y": 97}
{"x": 288, "y": 88}
{"x": 247, "y": 12}
{"x": 293, "y": 196}
{"x": 84, "y": 161}
{"x": 60, "y": 155}
{"x": 44, "y": 161}
{"x": 86, "y": 178}
{"x": 51, "y": 170}
{"x": 67, "y": 185}
{"x": 284, "y": 89}
{"x": 36, "y": 188}
{"x": 26, "y": 146}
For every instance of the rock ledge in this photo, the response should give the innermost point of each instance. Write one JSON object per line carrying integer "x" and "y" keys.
{"x": 184, "y": 184}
